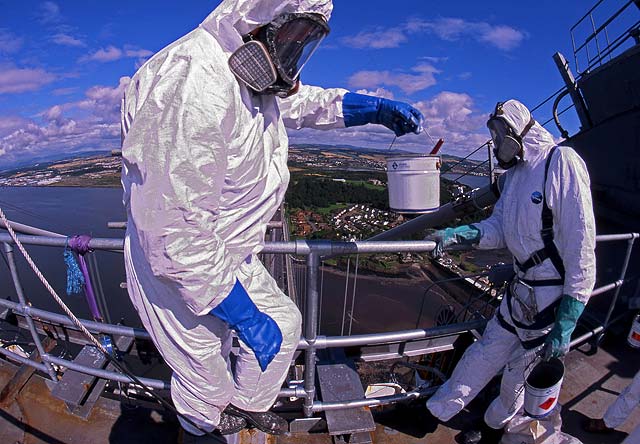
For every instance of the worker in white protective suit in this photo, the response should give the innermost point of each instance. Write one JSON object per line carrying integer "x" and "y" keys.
{"x": 545, "y": 218}
{"x": 619, "y": 412}
{"x": 204, "y": 170}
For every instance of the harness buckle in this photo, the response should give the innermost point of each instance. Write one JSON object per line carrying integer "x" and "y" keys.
{"x": 546, "y": 233}
{"x": 528, "y": 304}
{"x": 536, "y": 258}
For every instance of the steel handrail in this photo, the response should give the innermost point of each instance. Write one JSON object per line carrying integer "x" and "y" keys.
{"x": 311, "y": 342}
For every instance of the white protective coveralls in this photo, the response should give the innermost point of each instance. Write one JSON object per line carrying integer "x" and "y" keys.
{"x": 621, "y": 409}
{"x": 204, "y": 170}
{"x": 515, "y": 223}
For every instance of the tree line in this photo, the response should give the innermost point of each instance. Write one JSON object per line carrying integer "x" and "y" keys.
{"x": 312, "y": 192}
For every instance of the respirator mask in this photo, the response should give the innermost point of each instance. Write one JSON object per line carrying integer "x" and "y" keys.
{"x": 508, "y": 148}
{"x": 270, "y": 60}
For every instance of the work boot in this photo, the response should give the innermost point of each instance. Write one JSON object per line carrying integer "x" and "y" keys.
{"x": 230, "y": 424}
{"x": 596, "y": 426}
{"x": 266, "y": 422}
{"x": 471, "y": 436}
{"x": 480, "y": 435}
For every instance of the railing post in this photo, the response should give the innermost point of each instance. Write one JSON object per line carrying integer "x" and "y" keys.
{"x": 623, "y": 273}
{"x": 311, "y": 331}
{"x": 8, "y": 248}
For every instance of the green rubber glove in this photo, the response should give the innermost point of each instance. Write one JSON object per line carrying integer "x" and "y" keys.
{"x": 462, "y": 235}
{"x": 557, "y": 343}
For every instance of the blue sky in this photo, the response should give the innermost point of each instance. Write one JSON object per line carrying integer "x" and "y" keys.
{"x": 63, "y": 65}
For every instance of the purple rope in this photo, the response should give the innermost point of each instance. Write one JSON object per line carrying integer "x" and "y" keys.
{"x": 80, "y": 245}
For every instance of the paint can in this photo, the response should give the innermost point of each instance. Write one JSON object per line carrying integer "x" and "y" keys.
{"x": 634, "y": 334}
{"x": 542, "y": 388}
{"x": 413, "y": 182}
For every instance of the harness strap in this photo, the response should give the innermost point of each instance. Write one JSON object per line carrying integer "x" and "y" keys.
{"x": 543, "y": 282}
{"x": 527, "y": 345}
{"x": 550, "y": 250}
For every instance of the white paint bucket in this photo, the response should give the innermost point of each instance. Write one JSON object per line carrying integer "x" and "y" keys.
{"x": 414, "y": 183}
{"x": 542, "y": 388}
{"x": 634, "y": 333}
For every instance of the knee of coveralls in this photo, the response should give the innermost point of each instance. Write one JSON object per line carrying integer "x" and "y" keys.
{"x": 195, "y": 347}
{"x": 479, "y": 364}
{"x": 256, "y": 390}
{"x": 511, "y": 398}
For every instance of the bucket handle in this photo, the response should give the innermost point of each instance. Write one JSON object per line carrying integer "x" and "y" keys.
{"x": 538, "y": 356}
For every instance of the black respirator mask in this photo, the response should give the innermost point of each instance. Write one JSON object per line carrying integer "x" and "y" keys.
{"x": 270, "y": 61}
{"x": 507, "y": 143}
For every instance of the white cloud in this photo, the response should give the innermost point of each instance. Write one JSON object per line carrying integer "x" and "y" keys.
{"x": 448, "y": 115}
{"x": 49, "y": 12}
{"x": 378, "y": 92}
{"x": 423, "y": 78}
{"x": 503, "y": 37}
{"x": 17, "y": 80}
{"x": 10, "y": 124}
{"x": 452, "y": 116}
{"x": 67, "y": 40}
{"x": 64, "y": 91}
{"x": 111, "y": 53}
{"x": 97, "y": 127}
{"x": 9, "y": 43}
{"x": 137, "y": 52}
{"x": 434, "y": 59}
{"x": 390, "y": 38}
{"x": 108, "y": 54}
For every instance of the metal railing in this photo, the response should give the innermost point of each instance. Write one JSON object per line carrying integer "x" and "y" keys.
{"x": 311, "y": 341}
{"x": 603, "y": 49}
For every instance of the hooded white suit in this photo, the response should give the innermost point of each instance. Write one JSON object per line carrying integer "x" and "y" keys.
{"x": 204, "y": 170}
{"x": 515, "y": 224}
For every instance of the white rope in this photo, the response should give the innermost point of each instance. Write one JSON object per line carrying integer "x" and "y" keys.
{"x": 346, "y": 290}
{"x": 353, "y": 294}
{"x": 87, "y": 333}
{"x": 44, "y": 281}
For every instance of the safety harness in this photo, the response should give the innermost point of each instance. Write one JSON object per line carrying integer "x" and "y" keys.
{"x": 545, "y": 317}
{"x": 549, "y": 251}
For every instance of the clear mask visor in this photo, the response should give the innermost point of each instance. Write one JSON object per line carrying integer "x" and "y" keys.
{"x": 498, "y": 130}
{"x": 294, "y": 43}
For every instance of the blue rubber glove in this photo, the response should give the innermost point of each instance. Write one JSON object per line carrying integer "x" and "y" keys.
{"x": 399, "y": 117}
{"x": 557, "y": 343}
{"x": 254, "y": 328}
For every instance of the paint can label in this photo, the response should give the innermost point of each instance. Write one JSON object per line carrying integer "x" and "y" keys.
{"x": 634, "y": 334}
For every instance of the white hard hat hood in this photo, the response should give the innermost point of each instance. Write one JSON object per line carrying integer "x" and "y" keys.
{"x": 234, "y": 18}
{"x": 518, "y": 116}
